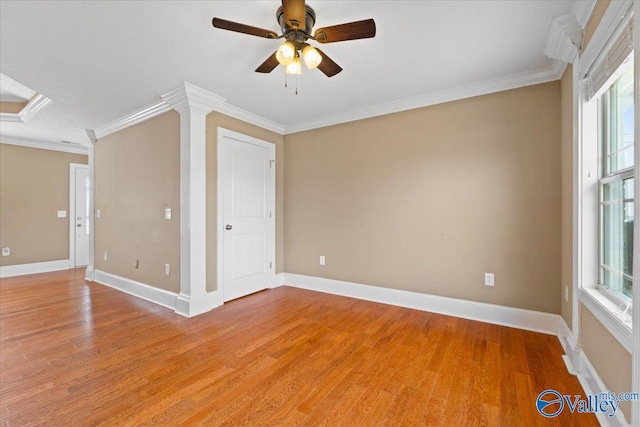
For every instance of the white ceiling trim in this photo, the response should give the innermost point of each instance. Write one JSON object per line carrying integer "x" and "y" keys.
{"x": 33, "y": 107}
{"x": 461, "y": 92}
{"x": 218, "y": 103}
{"x": 134, "y": 118}
{"x": 564, "y": 38}
{"x": 45, "y": 145}
{"x": 222, "y": 106}
{"x": 17, "y": 89}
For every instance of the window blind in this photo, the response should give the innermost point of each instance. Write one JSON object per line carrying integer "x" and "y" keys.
{"x": 606, "y": 68}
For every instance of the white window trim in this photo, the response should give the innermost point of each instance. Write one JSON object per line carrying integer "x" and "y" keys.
{"x": 594, "y": 298}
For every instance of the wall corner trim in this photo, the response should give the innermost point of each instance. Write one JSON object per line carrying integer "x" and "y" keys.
{"x": 490, "y": 313}
{"x": 134, "y": 118}
{"x": 33, "y": 268}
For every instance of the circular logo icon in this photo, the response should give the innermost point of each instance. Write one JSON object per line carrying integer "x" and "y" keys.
{"x": 550, "y": 403}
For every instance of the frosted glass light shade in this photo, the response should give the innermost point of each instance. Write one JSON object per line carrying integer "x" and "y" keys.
{"x": 311, "y": 57}
{"x": 286, "y": 53}
{"x": 295, "y": 67}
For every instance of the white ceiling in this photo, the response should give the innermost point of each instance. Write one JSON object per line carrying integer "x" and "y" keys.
{"x": 101, "y": 60}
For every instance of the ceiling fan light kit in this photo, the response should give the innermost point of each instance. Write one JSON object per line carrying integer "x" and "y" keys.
{"x": 296, "y": 20}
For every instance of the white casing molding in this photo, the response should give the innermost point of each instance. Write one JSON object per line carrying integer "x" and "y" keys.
{"x": 592, "y": 384}
{"x": 604, "y": 34}
{"x": 193, "y": 104}
{"x": 635, "y": 367}
{"x": 90, "y": 272}
{"x": 571, "y": 348}
{"x": 602, "y": 308}
{"x": 490, "y": 313}
{"x": 33, "y": 268}
{"x": 45, "y": 145}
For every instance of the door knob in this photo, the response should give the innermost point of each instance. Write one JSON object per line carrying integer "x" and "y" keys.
{"x": 228, "y": 227}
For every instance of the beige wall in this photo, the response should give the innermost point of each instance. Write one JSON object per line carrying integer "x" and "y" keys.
{"x": 34, "y": 185}
{"x": 428, "y": 200}
{"x": 566, "y": 164}
{"x": 137, "y": 177}
{"x": 215, "y": 120}
{"x": 610, "y": 359}
{"x": 11, "y": 107}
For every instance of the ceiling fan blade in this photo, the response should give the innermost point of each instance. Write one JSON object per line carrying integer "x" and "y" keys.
{"x": 327, "y": 66}
{"x": 294, "y": 13}
{"x": 269, "y": 65}
{"x": 350, "y": 31}
{"x": 244, "y": 29}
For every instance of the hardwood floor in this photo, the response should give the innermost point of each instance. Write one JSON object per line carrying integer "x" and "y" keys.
{"x": 79, "y": 353}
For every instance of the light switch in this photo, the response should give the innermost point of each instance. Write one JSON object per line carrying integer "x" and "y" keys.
{"x": 167, "y": 213}
{"x": 98, "y": 213}
{"x": 62, "y": 214}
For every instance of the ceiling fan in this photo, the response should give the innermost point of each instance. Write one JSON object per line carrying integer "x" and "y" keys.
{"x": 296, "y": 20}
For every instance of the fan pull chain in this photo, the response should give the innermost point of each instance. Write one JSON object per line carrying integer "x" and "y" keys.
{"x": 285, "y": 79}
{"x": 296, "y": 85}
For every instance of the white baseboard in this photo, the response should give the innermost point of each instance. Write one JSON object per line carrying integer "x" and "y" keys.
{"x": 490, "y": 313}
{"x": 592, "y": 384}
{"x": 279, "y": 280}
{"x": 36, "y": 267}
{"x": 184, "y": 306}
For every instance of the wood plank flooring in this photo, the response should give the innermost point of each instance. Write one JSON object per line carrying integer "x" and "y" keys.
{"x": 79, "y": 353}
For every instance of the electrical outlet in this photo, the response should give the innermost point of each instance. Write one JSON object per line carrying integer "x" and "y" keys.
{"x": 167, "y": 269}
{"x": 489, "y": 279}
{"x": 167, "y": 213}
{"x": 105, "y": 255}
{"x": 322, "y": 260}
{"x": 6, "y": 251}
{"x": 62, "y": 214}
{"x": 566, "y": 293}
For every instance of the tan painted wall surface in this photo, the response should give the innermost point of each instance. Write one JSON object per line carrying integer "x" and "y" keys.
{"x": 34, "y": 185}
{"x": 606, "y": 354}
{"x": 137, "y": 177}
{"x": 11, "y": 107}
{"x": 428, "y": 200}
{"x": 596, "y": 17}
{"x": 215, "y": 120}
{"x": 566, "y": 160}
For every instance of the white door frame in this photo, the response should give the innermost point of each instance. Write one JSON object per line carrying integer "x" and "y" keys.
{"x": 226, "y": 133}
{"x": 72, "y": 211}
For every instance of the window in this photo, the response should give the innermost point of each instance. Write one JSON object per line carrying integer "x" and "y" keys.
{"x": 617, "y": 187}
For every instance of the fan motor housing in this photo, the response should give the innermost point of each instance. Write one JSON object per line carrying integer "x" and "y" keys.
{"x": 290, "y": 32}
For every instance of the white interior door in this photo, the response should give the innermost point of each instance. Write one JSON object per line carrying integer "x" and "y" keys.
{"x": 80, "y": 215}
{"x": 247, "y": 186}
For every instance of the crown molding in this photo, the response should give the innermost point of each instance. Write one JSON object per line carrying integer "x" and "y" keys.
{"x": 439, "y": 97}
{"x": 45, "y": 145}
{"x": 11, "y": 118}
{"x": 33, "y": 107}
{"x": 582, "y": 10}
{"x": 249, "y": 117}
{"x": 134, "y": 118}
{"x": 17, "y": 89}
{"x": 564, "y": 38}
{"x": 191, "y": 97}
